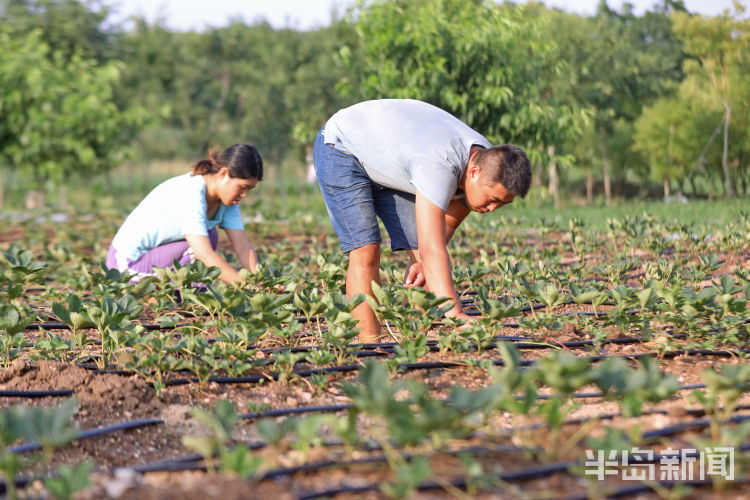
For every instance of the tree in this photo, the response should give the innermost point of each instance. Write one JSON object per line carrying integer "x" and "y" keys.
{"x": 59, "y": 117}
{"x": 68, "y": 26}
{"x": 495, "y": 67}
{"x": 721, "y": 45}
{"x": 624, "y": 62}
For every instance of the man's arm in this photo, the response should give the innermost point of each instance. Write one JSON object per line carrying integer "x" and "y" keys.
{"x": 454, "y": 216}
{"x": 431, "y": 234}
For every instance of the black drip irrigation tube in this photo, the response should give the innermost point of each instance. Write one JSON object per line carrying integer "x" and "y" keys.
{"x": 186, "y": 463}
{"x": 252, "y": 379}
{"x": 639, "y": 488}
{"x": 65, "y": 326}
{"x": 537, "y": 472}
{"x": 435, "y": 365}
{"x": 134, "y": 424}
{"x": 280, "y": 412}
{"x": 35, "y": 394}
{"x": 388, "y": 348}
{"x": 695, "y": 412}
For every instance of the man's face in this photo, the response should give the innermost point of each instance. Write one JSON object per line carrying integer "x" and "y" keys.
{"x": 484, "y": 198}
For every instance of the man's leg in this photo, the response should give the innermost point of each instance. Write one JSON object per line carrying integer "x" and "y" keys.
{"x": 364, "y": 268}
{"x": 347, "y": 191}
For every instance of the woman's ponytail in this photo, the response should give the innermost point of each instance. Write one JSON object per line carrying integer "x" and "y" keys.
{"x": 207, "y": 165}
{"x": 242, "y": 160}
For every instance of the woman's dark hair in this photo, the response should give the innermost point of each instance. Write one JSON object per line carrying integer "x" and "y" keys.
{"x": 242, "y": 160}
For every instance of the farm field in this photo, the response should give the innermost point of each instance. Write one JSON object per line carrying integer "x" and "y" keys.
{"x": 593, "y": 341}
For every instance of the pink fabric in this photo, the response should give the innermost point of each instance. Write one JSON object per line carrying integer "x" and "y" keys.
{"x": 162, "y": 256}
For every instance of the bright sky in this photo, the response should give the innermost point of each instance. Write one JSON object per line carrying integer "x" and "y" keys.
{"x": 306, "y": 14}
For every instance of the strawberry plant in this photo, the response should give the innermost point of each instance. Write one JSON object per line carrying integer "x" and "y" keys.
{"x": 220, "y": 424}
{"x": 74, "y": 315}
{"x": 332, "y": 271}
{"x": 69, "y": 479}
{"x": 155, "y": 358}
{"x": 409, "y": 351}
{"x": 310, "y": 303}
{"x": 582, "y": 296}
{"x": 12, "y": 325}
{"x": 50, "y": 427}
{"x": 722, "y": 392}
{"x": 633, "y": 388}
{"x": 20, "y": 268}
{"x": 52, "y": 346}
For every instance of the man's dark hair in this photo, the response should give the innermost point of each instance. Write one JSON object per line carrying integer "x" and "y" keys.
{"x": 508, "y": 165}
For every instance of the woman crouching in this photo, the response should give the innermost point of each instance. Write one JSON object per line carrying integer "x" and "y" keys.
{"x": 178, "y": 219}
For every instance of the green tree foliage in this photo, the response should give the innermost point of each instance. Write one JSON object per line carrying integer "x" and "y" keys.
{"x": 68, "y": 26}
{"x": 274, "y": 88}
{"x": 721, "y": 46}
{"x": 59, "y": 117}
{"x": 677, "y": 133}
{"x": 495, "y": 67}
{"x": 623, "y": 62}
{"x": 77, "y": 89}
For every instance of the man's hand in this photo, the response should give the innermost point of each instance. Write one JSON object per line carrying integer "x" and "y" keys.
{"x": 414, "y": 275}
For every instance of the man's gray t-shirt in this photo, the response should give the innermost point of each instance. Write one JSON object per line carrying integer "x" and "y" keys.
{"x": 406, "y": 145}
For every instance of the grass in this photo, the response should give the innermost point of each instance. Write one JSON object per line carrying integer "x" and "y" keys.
{"x": 700, "y": 212}
{"x": 284, "y": 195}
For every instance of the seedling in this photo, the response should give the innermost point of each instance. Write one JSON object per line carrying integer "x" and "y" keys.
{"x": 49, "y": 427}
{"x": 220, "y": 424}
{"x": 21, "y": 268}
{"x": 12, "y": 325}
{"x": 409, "y": 351}
{"x": 285, "y": 361}
{"x": 633, "y": 388}
{"x": 74, "y": 315}
{"x": 332, "y": 271}
{"x": 722, "y": 391}
{"x": 69, "y": 480}
{"x": 582, "y": 296}
{"x": 52, "y": 346}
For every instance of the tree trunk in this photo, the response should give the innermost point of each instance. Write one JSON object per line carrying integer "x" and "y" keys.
{"x": 725, "y": 153}
{"x": 605, "y": 168}
{"x": 554, "y": 182}
{"x": 34, "y": 199}
{"x": 666, "y": 188}
{"x": 590, "y": 186}
{"x": 537, "y": 180}
{"x": 225, "y": 85}
{"x": 62, "y": 197}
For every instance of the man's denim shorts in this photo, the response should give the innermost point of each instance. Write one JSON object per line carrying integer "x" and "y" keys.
{"x": 353, "y": 202}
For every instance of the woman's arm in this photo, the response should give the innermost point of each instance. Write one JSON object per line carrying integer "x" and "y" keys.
{"x": 243, "y": 248}
{"x": 202, "y": 250}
